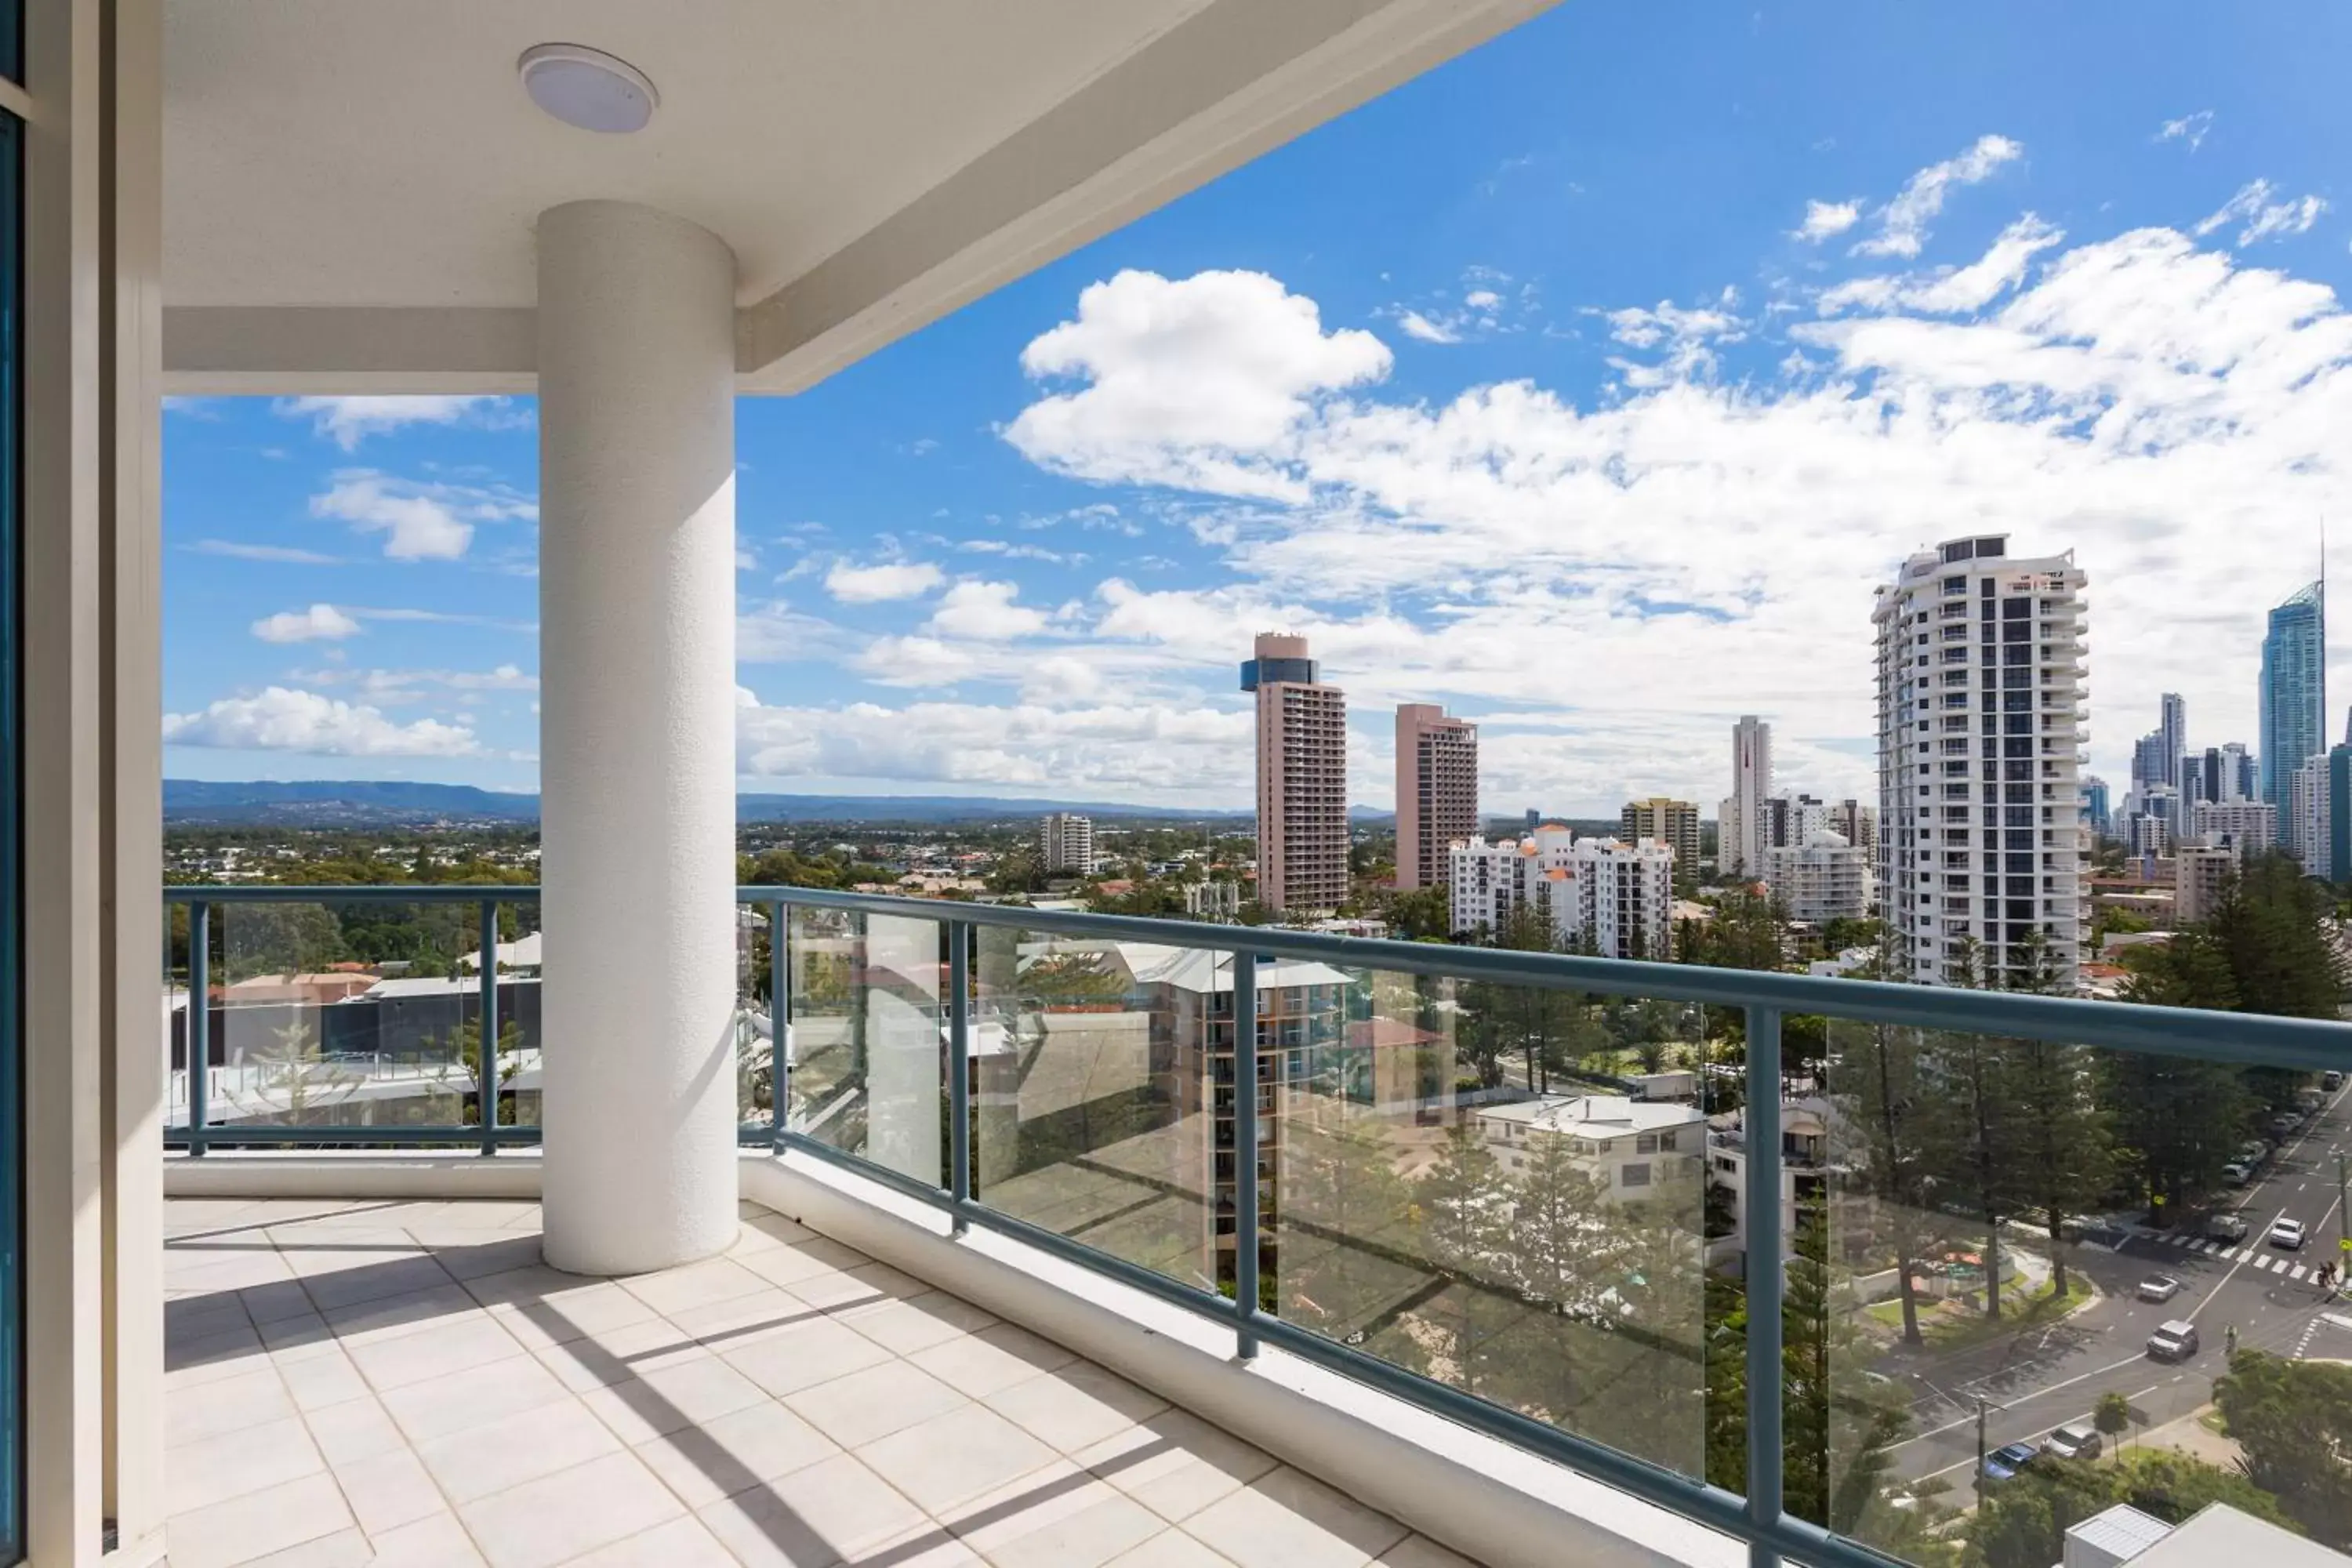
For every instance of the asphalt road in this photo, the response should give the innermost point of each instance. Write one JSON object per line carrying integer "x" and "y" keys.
{"x": 2051, "y": 1375}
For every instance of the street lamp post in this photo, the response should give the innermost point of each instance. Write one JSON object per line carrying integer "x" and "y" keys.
{"x": 1980, "y": 1450}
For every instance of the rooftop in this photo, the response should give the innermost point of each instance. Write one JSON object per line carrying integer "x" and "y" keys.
{"x": 1593, "y": 1115}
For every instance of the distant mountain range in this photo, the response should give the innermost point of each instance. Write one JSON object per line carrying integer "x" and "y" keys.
{"x": 331, "y": 803}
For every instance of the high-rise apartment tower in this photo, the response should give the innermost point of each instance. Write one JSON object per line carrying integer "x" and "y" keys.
{"x": 1673, "y": 823}
{"x": 1744, "y": 830}
{"x": 1065, "y": 842}
{"x": 1980, "y": 707}
{"x": 1302, "y": 778}
{"x": 1436, "y": 791}
{"x": 2293, "y": 692}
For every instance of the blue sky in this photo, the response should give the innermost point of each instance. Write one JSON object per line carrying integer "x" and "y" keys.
{"x": 1586, "y": 384}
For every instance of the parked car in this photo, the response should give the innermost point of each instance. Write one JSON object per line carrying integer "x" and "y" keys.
{"x": 2159, "y": 1287}
{"x": 2284, "y": 1123}
{"x": 2331, "y": 1081}
{"x": 2235, "y": 1173}
{"x": 2176, "y": 1341}
{"x": 2252, "y": 1153}
{"x": 2287, "y": 1234}
{"x": 2226, "y": 1227}
{"x": 2074, "y": 1440}
{"x": 2008, "y": 1460}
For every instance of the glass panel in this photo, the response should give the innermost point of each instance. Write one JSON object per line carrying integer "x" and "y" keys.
{"x": 867, "y": 1042}
{"x": 518, "y": 1037}
{"x": 362, "y": 1015}
{"x": 1102, "y": 1095}
{"x": 755, "y": 1081}
{"x": 1931, "y": 1178}
{"x": 1460, "y": 1184}
{"x": 12, "y": 47}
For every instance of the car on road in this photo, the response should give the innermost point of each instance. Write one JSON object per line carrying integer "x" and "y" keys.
{"x": 2159, "y": 1287}
{"x": 2074, "y": 1440}
{"x": 2175, "y": 1340}
{"x": 2287, "y": 1234}
{"x": 2226, "y": 1227}
{"x": 2235, "y": 1173}
{"x": 2331, "y": 1081}
{"x": 2008, "y": 1460}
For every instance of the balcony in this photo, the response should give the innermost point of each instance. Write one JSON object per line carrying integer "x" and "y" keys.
{"x": 990, "y": 1295}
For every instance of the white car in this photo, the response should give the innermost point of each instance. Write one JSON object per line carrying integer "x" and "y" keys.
{"x": 2159, "y": 1287}
{"x": 2288, "y": 1234}
{"x": 2235, "y": 1175}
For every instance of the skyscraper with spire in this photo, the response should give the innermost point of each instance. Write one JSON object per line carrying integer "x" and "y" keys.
{"x": 2294, "y": 691}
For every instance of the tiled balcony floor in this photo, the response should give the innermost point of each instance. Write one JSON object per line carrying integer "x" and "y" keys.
{"x": 384, "y": 1383}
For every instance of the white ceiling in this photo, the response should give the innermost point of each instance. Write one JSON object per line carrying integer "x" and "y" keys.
{"x": 383, "y": 153}
{"x": 350, "y": 186}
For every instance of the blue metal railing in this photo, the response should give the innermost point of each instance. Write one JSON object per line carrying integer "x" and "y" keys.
{"x": 1764, "y": 999}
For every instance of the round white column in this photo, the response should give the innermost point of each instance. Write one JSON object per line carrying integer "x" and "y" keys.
{"x": 637, "y": 590}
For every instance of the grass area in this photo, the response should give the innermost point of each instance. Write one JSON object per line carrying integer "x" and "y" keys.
{"x": 1944, "y": 1326}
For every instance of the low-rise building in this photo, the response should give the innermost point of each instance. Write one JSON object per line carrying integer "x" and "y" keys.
{"x": 1632, "y": 1149}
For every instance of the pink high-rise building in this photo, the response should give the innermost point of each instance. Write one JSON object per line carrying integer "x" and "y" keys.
{"x": 1302, "y": 778}
{"x": 1436, "y": 791}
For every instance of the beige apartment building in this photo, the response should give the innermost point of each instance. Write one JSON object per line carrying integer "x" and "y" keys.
{"x": 1302, "y": 778}
{"x": 1673, "y": 823}
{"x": 1436, "y": 793}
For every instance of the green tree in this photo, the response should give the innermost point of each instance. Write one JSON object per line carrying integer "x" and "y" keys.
{"x": 2061, "y": 1139}
{"x": 2292, "y": 1422}
{"x": 1460, "y": 1210}
{"x": 2111, "y": 1416}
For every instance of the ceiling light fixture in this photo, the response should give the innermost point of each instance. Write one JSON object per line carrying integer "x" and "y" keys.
{"x": 588, "y": 87}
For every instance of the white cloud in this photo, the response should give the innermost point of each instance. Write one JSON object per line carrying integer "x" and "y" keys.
{"x": 1414, "y": 324}
{"x": 1125, "y": 749}
{"x": 1825, "y": 219}
{"x": 1902, "y": 222}
{"x": 348, "y": 421}
{"x": 2264, "y": 218}
{"x": 1186, "y": 379}
{"x": 878, "y": 584}
{"x": 1949, "y": 290}
{"x": 2172, "y": 415}
{"x": 2188, "y": 128}
{"x": 420, "y": 520}
{"x": 985, "y": 611}
{"x": 915, "y": 661}
{"x": 1688, "y": 338}
{"x": 318, "y": 623}
{"x": 394, "y": 686}
{"x": 773, "y": 632}
{"x": 278, "y": 553}
{"x": 282, "y": 719}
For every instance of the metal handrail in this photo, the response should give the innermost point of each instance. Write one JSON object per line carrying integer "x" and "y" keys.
{"x": 1764, "y": 998}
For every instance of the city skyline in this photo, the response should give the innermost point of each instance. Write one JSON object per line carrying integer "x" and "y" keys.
{"x": 1592, "y": 418}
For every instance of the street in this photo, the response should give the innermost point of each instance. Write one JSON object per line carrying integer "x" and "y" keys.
{"x": 2054, "y": 1372}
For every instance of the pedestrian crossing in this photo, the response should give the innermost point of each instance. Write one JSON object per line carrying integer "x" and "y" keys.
{"x": 2253, "y": 1254}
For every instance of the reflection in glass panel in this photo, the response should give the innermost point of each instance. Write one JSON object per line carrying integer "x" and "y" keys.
{"x": 2002, "y": 1230}
{"x": 1101, "y": 1099}
{"x": 358, "y": 1013}
{"x": 1474, "y": 1183}
{"x": 868, "y": 1044}
{"x": 755, "y": 1077}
